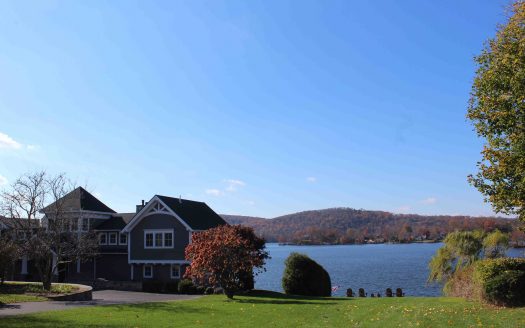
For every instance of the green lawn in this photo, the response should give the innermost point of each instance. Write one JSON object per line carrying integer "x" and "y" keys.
{"x": 265, "y": 309}
{"x": 16, "y": 292}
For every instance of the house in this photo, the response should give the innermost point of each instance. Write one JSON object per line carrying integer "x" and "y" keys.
{"x": 145, "y": 245}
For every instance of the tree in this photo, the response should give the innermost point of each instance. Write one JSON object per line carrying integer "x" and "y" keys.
{"x": 462, "y": 248}
{"x": 43, "y": 233}
{"x": 226, "y": 256}
{"x": 9, "y": 253}
{"x": 496, "y": 244}
{"x": 497, "y": 110}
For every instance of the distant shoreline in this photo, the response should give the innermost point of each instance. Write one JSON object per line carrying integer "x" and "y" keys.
{"x": 374, "y": 243}
{"x": 368, "y": 243}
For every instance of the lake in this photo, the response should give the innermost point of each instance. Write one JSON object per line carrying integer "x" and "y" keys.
{"x": 372, "y": 267}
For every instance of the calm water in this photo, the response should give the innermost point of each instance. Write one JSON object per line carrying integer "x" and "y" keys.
{"x": 372, "y": 267}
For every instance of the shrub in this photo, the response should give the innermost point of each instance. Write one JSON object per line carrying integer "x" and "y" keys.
{"x": 186, "y": 286}
{"x": 490, "y": 268}
{"x": 502, "y": 280}
{"x": 171, "y": 287}
{"x": 462, "y": 284}
{"x": 507, "y": 288}
{"x": 152, "y": 286}
{"x": 199, "y": 290}
{"x": 304, "y": 276}
{"x": 209, "y": 291}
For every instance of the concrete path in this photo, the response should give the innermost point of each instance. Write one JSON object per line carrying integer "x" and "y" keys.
{"x": 102, "y": 297}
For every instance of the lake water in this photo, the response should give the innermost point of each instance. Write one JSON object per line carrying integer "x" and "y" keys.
{"x": 372, "y": 267}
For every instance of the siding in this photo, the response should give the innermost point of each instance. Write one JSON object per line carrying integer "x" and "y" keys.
{"x": 158, "y": 221}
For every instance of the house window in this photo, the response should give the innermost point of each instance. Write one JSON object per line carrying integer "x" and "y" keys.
{"x": 103, "y": 238}
{"x": 22, "y": 235}
{"x": 175, "y": 271}
{"x": 149, "y": 240}
{"x": 168, "y": 239}
{"x": 112, "y": 238}
{"x": 158, "y": 239}
{"x": 74, "y": 225}
{"x": 85, "y": 224}
{"x": 123, "y": 239}
{"x": 148, "y": 271}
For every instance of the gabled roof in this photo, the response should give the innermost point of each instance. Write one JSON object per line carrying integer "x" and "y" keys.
{"x": 193, "y": 215}
{"x": 116, "y": 222}
{"x": 197, "y": 215}
{"x": 80, "y": 199}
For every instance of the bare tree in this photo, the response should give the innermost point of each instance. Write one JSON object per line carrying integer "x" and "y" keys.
{"x": 45, "y": 234}
{"x": 9, "y": 253}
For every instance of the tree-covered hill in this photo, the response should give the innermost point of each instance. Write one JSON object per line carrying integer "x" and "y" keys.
{"x": 347, "y": 225}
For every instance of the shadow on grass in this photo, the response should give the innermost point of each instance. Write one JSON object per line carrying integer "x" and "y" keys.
{"x": 269, "y": 297}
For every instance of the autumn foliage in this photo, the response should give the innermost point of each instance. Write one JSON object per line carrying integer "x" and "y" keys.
{"x": 225, "y": 256}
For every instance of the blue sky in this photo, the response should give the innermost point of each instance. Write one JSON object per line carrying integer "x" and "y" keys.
{"x": 256, "y": 107}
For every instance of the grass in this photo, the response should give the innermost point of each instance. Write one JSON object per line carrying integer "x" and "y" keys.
{"x": 16, "y": 292}
{"x": 268, "y": 309}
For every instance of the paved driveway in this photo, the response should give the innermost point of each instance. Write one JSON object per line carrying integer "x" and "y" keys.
{"x": 101, "y": 297}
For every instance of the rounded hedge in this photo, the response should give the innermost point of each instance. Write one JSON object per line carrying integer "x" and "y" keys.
{"x": 186, "y": 286}
{"x": 304, "y": 276}
{"x": 502, "y": 280}
{"x": 507, "y": 288}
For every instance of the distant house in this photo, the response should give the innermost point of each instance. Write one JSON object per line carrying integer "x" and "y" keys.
{"x": 146, "y": 245}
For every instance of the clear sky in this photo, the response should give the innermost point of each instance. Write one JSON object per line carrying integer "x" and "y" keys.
{"x": 256, "y": 107}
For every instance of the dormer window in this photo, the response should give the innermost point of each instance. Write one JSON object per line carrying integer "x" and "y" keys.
{"x": 158, "y": 238}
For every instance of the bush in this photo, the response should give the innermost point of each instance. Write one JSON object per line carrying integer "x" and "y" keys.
{"x": 152, "y": 287}
{"x": 186, "y": 286}
{"x": 507, "y": 288}
{"x": 199, "y": 290}
{"x": 160, "y": 287}
{"x": 502, "y": 280}
{"x": 304, "y": 276}
{"x": 209, "y": 291}
{"x": 462, "y": 284}
{"x": 171, "y": 287}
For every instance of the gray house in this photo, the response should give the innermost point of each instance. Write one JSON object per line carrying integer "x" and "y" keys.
{"x": 147, "y": 245}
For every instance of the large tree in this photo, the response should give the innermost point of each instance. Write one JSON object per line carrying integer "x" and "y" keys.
{"x": 497, "y": 110}
{"x": 45, "y": 235}
{"x": 226, "y": 256}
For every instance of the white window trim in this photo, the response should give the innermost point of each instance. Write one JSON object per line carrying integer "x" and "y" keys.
{"x": 120, "y": 240}
{"x": 163, "y": 232}
{"x": 116, "y": 238}
{"x": 100, "y": 237}
{"x": 81, "y": 225}
{"x": 144, "y": 271}
{"x": 171, "y": 271}
{"x": 73, "y": 224}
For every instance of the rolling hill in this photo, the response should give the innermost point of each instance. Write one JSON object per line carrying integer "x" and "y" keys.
{"x": 347, "y": 225}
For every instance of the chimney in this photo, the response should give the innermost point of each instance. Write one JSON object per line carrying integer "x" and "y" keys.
{"x": 180, "y": 199}
{"x": 140, "y": 207}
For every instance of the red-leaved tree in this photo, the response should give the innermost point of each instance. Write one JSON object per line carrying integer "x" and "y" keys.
{"x": 226, "y": 256}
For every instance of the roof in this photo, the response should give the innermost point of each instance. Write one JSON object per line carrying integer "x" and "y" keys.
{"x": 11, "y": 223}
{"x": 197, "y": 215}
{"x": 80, "y": 200}
{"x": 117, "y": 222}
